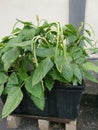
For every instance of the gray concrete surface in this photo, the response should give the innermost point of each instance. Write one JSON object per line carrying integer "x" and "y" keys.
{"x": 88, "y": 118}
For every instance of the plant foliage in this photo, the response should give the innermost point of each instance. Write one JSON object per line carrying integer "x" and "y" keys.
{"x": 35, "y": 57}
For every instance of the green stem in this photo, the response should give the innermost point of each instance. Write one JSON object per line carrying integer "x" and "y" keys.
{"x": 58, "y": 34}
{"x": 63, "y": 44}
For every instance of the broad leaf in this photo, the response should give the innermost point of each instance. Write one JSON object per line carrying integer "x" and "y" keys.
{"x": 19, "y": 44}
{"x": 67, "y": 71}
{"x": 16, "y": 30}
{"x": 1, "y": 89}
{"x": 22, "y": 74}
{"x": 13, "y": 79}
{"x": 25, "y": 23}
{"x": 8, "y": 87}
{"x": 90, "y": 66}
{"x": 9, "y": 57}
{"x": 13, "y": 100}
{"x": 59, "y": 61}
{"x": 3, "y": 78}
{"x": 77, "y": 73}
{"x": 71, "y": 28}
{"x": 35, "y": 90}
{"x": 89, "y": 76}
{"x": 27, "y": 33}
{"x": 45, "y": 52}
{"x": 57, "y": 76}
{"x": 39, "y": 102}
{"x": 49, "y": 82}
{"x": 12, "y": 82}
{"x": 42, "y": 69}
{"x": 72, "y": 38}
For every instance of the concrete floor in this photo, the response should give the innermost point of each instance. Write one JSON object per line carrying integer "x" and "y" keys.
{"x": 88, "y": 120}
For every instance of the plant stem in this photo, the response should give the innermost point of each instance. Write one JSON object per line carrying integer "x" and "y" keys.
{"x": 58, "y": 34}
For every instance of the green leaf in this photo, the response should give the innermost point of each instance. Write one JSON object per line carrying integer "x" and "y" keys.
{"x": 72, "y": 38}
{"x": 27, "y": 33}
{"x": 6, "y": 38}
{"x": 12, "y": 82}
{"x": 67, "y": 71}
{"x": 59, "y": 61}
{"x": 3, "y": 78}
{"x": 88, "y": 32}
{"x": 39, "y": 102}
{"x": 19, "y": 44}
{"x": 77, "y": 72}
{"x": 89, "y": 76}
{"x": 9, "y": 57}
{"x": 13, "y": 100}
{"x": 16, "y": 30}
{"x": 1, "y": 89}
{"x": 45, "y": 52}
{"x": 71, "y": 28}
{"x": 49, "y": 82}
{"x": 13, "y": 79}
{"x": 25, "y": 23}
{"x": 42, "y": 69}
{"x": 35, "y": 90}
{"x": 8, "y": 87}
{"x": 22, "y": 74}
{"x": 57, "y": 76}
{"x": 90, "y": 66}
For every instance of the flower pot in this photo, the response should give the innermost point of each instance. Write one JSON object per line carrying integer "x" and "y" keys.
{"x": 60, "y": 102}
{"x": 29, "y": 108}
{"x": 64, "y": 101}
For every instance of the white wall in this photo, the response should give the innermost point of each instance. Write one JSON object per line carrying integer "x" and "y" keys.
{"x": 91, "y": 15}
{"x": 52, "y": 10}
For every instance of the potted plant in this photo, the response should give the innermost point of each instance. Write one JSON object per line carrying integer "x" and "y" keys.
{"x": 45, "y": 64}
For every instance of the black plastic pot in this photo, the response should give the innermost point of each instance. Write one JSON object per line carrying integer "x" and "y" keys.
{"x": 29, "y": 108}
{"x": 61, "y": 102}
{"x": 64, "y": 101}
